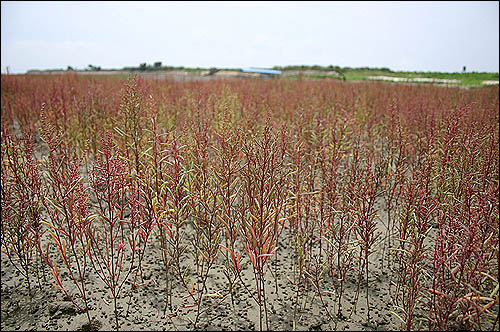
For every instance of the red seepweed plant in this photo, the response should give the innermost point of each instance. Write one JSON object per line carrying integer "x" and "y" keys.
{"x": 228, "y": 186}
{"x": 416, "y": 220}
{"x": 264, "y": 189}
{"x": 338, "y": 223}
{"x": 365, "y": 187}
{"x": 113, "y": 236}
{"x": 145, "y": 202}
{"x": 203, "y": 207}
{"x": 303, "y": 224}
{"x": 67, "y": 204}
{"x": 171, "y": 180}
{"x": 22, "y": 193}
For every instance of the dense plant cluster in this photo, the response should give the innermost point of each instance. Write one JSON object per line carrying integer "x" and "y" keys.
{"x": 98, "y": 172}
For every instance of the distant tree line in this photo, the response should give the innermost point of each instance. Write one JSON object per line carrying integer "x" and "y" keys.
{"x": 92, "y": 68}
{"x": 158, "y": 66}
{"x": 330, "y": 68}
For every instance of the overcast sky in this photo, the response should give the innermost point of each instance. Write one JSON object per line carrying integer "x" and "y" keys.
{"x": 420, "y": 36}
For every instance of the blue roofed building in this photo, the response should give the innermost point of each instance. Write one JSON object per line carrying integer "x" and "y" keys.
{"x": 260, "y": 72}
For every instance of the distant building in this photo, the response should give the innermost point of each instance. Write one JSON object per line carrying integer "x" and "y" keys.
{"x": 259, "y": 72}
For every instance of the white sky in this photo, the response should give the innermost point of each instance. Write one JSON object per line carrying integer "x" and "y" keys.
{"x": 421, "y": 36}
